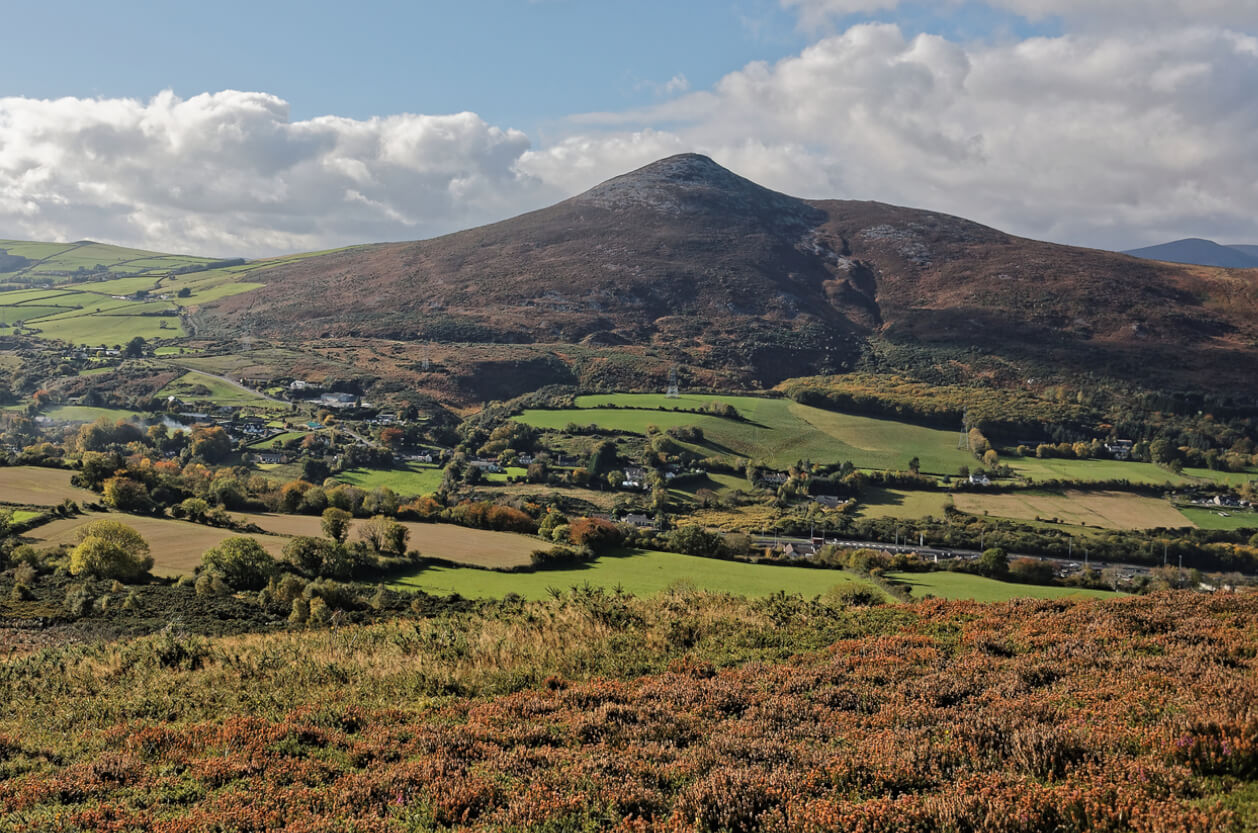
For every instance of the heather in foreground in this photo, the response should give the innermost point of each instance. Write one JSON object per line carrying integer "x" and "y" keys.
{"x": 686, "y": 712}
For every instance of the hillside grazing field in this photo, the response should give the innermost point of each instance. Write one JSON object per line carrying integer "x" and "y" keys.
{"x": 40, "y": 486}
{"x": 899, "y": 503}
{"x": 478, "y": 547}
{"x": 954, "y": 586}
{"x": 1220, "y": 518}
{"x": 776, "y": 431}
{"x": 195, "y": 386}
{"x": 410, "y": 480}
{"x": 640, "y": 572}
{"x": 108, "y": 328}
{"x": 1109, "y": 510}
{"x": 1094, "y": 470}
{"x": 87, "y": 413}
{"x": 1229, "y": 478}
{"x": 86, "y": 312}
{"x": 177, "y": 546}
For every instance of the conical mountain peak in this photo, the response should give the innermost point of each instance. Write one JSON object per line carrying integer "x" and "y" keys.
{"x": 691, "y": 183}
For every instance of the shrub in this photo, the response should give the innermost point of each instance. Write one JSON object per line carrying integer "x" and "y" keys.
{"x": 336, "y": 524}
{"x": 241, "y": 562}
{"x": 109, "y": 549}
{"x": 595, "y": 533}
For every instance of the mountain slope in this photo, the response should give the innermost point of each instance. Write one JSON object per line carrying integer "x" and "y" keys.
{"x": 713, "y": 271}
{"x": 1200, "y": 252}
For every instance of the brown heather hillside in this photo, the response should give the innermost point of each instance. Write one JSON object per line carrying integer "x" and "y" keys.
{"x": 710, "y": 270}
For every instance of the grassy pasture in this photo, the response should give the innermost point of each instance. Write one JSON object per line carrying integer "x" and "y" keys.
{"x": 120, "y": 286}
{"x": 1229, "y": 478}
{"x": 14, "y": 315}
{"x": 504, "y": 475}
{"x": 640, "y": 572}
{"x": 177, "y": 546}
{"x": 28, "y": 296}
{"x": 67, "y": 257}
{"x": 33, "y": 250}
{"x": 279, "y": 439}
{"x": 945, "y": 585}
{"x": 1221, "y": 518}
{"x": 1093, "y": 470}
{"x": 411, "y": 479}
{"x": 85, "y": 413}
{"x": 479, "y": 547}
{"x": 203, "y": 293}
{"x": 92, "y": 329}
{"x": 777, "y": 431}
{"x": 1109, "y": 510}
{"x": 40, "y": 487}
{"x": 219, "y": 392}
{"x": 898, "y": 503}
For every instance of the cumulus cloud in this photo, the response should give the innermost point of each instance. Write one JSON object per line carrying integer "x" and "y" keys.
{"x": 1137, "y": 14}
{"x": 230, "y": 172}
{"x": 1091, "y": 137}
{"x": 1094, "y": 139}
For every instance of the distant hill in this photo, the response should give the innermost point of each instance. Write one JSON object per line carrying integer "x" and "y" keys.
{"x": 688, "y": 263}
{"x": 23, "y": 262}
{"x": 1194, "y": 250}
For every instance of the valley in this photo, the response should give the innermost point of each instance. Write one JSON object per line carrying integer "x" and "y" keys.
{"x": 693, "y": 475}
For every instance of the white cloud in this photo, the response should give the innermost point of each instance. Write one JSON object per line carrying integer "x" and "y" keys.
{"x": 229, "y": 173}
{"x": 1085, "y": 138}
{"x": 1128, "y": 14}
{"x": 1093, "y": 137}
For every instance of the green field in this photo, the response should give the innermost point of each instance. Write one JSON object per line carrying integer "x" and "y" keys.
{"x": 412, "y": 479}
{"x": 506, "y": 474}
{"x": 1094, "y": 470}
{"x": 1221, "y": 518}
{"x": 1230, "y": 478}
{"x": 778, "y": 432}
{"x": 57, "y": 260}
{"x": 109, "y": 329}
{"x": 716, "y": 482}
{"x": 195, "y": 386}
{"x": 640, "y": 572}
{"x": 897, "y": 503}
{"x": 945, "y": 585}
{"x": 21, "y": 516}
{"x": 279, "y": 440}
{"x": 83, "y": 413}
{"x": 17, "y": 314}
{"x": 85, "y": 312}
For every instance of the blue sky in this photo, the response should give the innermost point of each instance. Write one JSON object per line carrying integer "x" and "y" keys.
{"x": 517, "y": 62}
{"x": 512, "y": 61}
{"x": 269, "y": 126}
